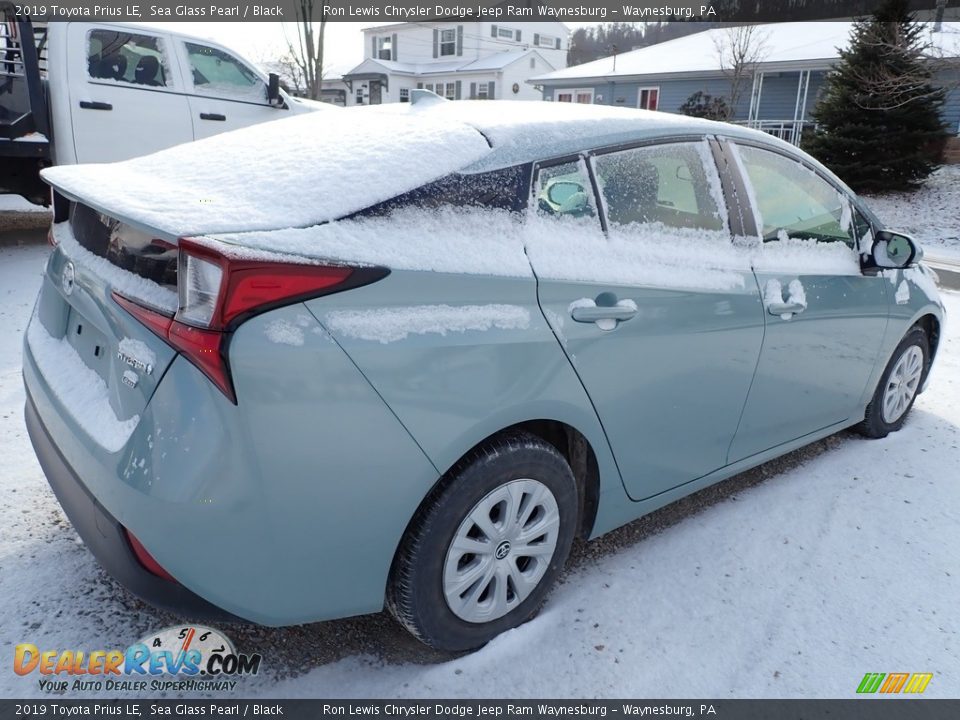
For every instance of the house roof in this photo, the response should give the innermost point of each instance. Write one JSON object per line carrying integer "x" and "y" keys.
{"x": 797, "y": 45}
{"x": 496, "y": 61}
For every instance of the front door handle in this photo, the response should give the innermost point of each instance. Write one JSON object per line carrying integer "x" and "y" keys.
{"x": 785, "y": 308}
{"x": 93, "y": 105}
{"x": 213, "y": 116}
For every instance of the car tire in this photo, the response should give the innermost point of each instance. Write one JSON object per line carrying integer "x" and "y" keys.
{"x": 456, "y": 585}
{"x": 899, "y": 386}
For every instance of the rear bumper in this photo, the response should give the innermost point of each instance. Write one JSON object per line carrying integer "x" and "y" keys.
{"x": 105, "y": 537}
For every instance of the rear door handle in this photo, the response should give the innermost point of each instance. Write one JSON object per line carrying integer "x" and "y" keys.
{"x": 785, "y": 308}
{"x": 213, "y": 116}
{"x": 93, "y": 105}
{"x": 594, "y": 313}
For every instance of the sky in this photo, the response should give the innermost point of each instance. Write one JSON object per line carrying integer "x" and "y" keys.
{"x": 262, "y": 41}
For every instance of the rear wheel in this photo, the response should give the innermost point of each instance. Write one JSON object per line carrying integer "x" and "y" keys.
{"x": 899, "y": 385}
{"x": 487, "y": 546}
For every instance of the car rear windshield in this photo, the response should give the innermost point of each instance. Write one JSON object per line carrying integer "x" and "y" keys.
{"x": 125, "y": 246}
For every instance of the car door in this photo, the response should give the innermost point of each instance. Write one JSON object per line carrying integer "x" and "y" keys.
{"x": 656, "y": 310}
{"x": 825, "y": 319}
{"x": 225, "y": 92}
{"x": 126, "y": 94}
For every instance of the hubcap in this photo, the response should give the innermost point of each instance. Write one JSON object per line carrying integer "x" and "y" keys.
{"x": 902, "y": 384}
{"x": 501, "y": 551}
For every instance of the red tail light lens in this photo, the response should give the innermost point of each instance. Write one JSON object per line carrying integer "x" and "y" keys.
{"x": 217, "y": 293}
{"x": 146, "y": 559}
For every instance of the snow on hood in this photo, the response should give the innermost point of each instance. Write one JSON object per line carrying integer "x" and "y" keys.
{"x": 294, "y": 172}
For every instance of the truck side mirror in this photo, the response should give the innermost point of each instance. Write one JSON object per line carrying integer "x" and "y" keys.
{"x": 273, "y": 91}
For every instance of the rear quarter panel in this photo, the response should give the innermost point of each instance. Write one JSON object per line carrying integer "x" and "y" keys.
{"x": 487, "y": 361}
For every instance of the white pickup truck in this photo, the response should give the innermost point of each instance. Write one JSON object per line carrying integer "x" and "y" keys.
{"x": 81, "y": 92}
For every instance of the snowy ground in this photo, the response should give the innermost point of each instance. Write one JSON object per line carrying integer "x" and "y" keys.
{"x": 930, "y": 215}
{"x": 792, "y": 580}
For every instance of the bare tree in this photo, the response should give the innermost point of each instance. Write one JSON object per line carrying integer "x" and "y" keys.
{"x": 307, "y": 54}
{"x": 740, "y": 49}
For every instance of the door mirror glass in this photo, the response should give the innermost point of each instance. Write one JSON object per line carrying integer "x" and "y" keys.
{"x": 560, "y": 192}
{"x": 563, "y": 190}
{"x": 894, "y": 250}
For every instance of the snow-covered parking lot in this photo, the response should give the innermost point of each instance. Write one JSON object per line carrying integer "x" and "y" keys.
{"x": 791, "y": 580}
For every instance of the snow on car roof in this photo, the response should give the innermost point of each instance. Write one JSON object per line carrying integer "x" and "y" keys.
{"x": 525, "y": 131}
{"x": 298, "y": 171}
{"x": 318, "y": 167}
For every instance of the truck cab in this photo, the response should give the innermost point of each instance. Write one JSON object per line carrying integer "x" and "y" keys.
{"x": 112, "y": 91}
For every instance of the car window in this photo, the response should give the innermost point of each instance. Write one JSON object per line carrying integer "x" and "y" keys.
{"x": 675, "y": 185}
{"x": 127, "y": 57}
{"x": 564, "y": 191}
{"x": 216, "y": 72}
{"x": 793, "y": 200}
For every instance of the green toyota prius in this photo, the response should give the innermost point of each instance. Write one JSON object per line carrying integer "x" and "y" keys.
{"x": 403, "y": 356}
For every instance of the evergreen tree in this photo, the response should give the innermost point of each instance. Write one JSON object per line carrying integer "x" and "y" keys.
{"x": 878, "y": 115}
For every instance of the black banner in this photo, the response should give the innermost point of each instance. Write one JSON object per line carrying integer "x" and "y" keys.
{"x": 500, "y": 10}
{"x": 861, "y": 709}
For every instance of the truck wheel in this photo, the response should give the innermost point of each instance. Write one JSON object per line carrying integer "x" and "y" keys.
{"x": 486, "y": 546}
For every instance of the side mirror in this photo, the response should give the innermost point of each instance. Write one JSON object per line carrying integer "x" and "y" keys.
{"x": 273, "y": 91}
{"x": 893, "y": 250}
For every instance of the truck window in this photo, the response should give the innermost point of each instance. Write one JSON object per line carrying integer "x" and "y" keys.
{"x": 216, "y": 72}
{"x": 126, "y": 57}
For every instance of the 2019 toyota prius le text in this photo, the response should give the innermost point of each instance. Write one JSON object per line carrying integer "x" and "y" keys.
{"x": 403, "y": 356}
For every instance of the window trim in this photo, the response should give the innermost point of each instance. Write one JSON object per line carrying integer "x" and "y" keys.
{"x": 441, "y": 42}
{"x": 573, "y": 94}
{"x": 552, "y": 44}
{"x": 648, "y": 89}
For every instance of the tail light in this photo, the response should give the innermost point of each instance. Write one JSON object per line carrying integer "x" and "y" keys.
{"x": 218, "y": 292}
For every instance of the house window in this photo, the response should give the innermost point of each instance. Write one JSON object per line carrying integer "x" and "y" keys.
{"x": 506, "y": 33}
{"x": 428, "y": 87}
{"x": 385, "y": 48}
{"x": 546, "y": 41}
{"x": 448, "y": 42}
{"x": 649, "y": 98}
{"x": 404, "y": 94}
{"x": 583, "y": 96}
{"x": 483, "y": 91}
{"x": 359, "y": 96}
{"x": 533, "y": 63}
{"x": 451, "y": 93}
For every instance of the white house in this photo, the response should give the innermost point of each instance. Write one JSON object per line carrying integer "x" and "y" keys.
{"x": 458, "y": 60}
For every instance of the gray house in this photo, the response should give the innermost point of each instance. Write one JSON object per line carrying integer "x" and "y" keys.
{"x": 776, "y": 94}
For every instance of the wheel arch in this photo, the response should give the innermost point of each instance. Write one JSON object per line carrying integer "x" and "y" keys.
{"x": 572, "y": 444}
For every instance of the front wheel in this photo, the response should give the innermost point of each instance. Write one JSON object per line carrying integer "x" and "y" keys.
{"x": 899, "y": 385}
{"x": 489, "y": 543}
